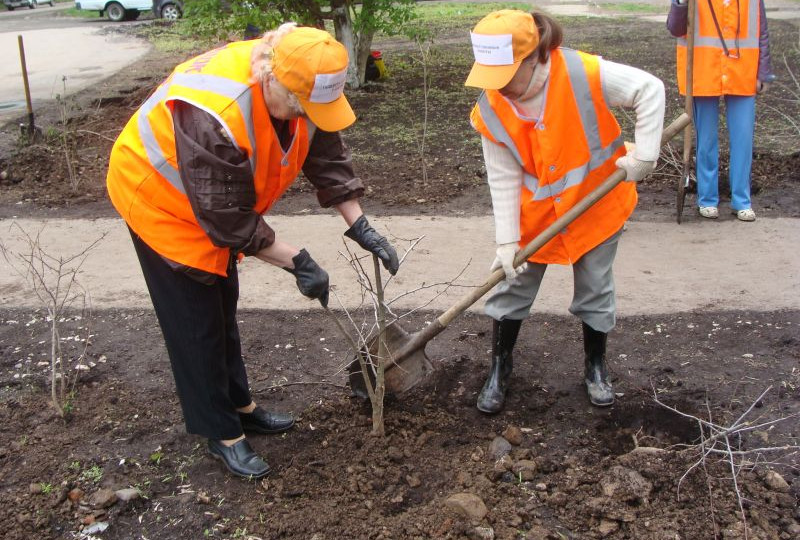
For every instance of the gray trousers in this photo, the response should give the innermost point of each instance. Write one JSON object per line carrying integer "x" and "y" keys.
{"x": 593, "y": 295}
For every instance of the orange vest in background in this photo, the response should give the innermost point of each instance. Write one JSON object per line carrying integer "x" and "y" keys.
{"x": 143, "y": 179}
{"x": 716, "y": 73}
{"x": 564, "y": 156}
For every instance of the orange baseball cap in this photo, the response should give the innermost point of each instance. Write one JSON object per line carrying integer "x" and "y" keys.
{"x": 312, "y": 65}
{"x": 500, "y": 42}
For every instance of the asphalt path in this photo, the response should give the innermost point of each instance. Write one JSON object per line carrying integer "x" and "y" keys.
{"x": 63, "y": 55}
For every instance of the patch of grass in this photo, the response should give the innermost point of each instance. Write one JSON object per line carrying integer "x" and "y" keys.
{"x": 93, "y": 474}
{"x": 433, "y": 11}
{"x": 81, "y": 13}
{"x": 634, "y": 8}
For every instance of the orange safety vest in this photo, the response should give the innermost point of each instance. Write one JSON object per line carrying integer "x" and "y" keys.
{"x": 716, "y": 73}
{"x": 143, "y": 179}
{"x": 564, "y": 155}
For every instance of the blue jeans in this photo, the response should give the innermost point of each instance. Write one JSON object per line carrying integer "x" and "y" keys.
{"x": 741, "y": 117}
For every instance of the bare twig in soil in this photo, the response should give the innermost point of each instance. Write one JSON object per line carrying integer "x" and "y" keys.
{"x": 53, "y": 280}
{"x": 715, "y": 439}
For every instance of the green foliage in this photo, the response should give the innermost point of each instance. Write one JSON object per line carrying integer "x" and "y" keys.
{"x": 47, "y": 488}
{"x": 221, "y": 20}
{"x": 92, "y": 474}
{"x": 155, "y": 457}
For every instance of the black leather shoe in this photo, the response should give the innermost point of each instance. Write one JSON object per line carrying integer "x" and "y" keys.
{"x": 261, "y": 421}
{"x": 239, "y": 458}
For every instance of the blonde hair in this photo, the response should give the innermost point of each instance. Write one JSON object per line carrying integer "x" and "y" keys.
{"x": 261, "y": 61}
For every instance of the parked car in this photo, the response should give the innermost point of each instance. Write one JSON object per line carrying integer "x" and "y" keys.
{"x": 116, "y": 10}
{"x": 169, "y": 10}
{"x": 31, "y": 4}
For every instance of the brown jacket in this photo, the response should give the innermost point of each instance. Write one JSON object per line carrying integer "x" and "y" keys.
{"x": 204, "y": 151}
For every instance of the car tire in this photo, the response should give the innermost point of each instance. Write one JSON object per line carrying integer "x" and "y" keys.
{"x": 171, "y": 12}
{"x": 31, "y": 4}
{"x": 115, "y": 12}
{"x": 51, "y": 3}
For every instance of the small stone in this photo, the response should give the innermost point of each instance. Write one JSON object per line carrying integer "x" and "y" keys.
{"x": 127, "y": 494}
{"x": 541, "y": 486}
{"x": 203, "y": 498}
{"x": 394, "y": 454}
{"x": 498, "y": 448}
{"x": 607, "y": 526}
{"x": 482, "y": 533}
{"x": 513, "y": 435}
{"x": 95, "y": 527}
{"x": 525, "y": 469}
{"x": 776, "y": 482}
{"x": 503, "y": 464}
{"x": 35, "y": 488}
{"x": 102, "y": 498}
{"x": 793, "y": 530}
{"x": 468, "y": 505}
{"x": 413, "y": 481}
{"x": 75, "y": 495}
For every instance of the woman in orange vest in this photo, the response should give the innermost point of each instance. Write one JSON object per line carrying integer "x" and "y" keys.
{"x": 731, "y": 59}
{"x": 193, "y": 171}
{"x": 549, "y": 139}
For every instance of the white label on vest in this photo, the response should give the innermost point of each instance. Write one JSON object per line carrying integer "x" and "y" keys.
{"x": 328, "y": 87}
{"x": 492, "y": 49}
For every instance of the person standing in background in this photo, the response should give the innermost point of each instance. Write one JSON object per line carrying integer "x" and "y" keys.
{"x": 731, "y": 61}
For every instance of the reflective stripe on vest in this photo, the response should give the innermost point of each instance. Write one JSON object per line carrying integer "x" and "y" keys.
{"x": 591, "y": 130}
{"x": 239, "y": 92}
{"x": 748, "y": 41}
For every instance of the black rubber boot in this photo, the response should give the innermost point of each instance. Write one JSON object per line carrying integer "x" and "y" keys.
{"x": 599, "y": 389}
{"x": 504, "y": 336}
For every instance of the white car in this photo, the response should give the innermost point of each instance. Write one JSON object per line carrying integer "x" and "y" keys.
{"x": 11, "y": 4}
{"x": 115, "y": 10}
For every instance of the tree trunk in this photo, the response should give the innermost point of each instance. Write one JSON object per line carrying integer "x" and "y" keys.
{"x": 343, "y": 26}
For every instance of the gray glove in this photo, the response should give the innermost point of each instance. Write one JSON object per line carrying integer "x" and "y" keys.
{"x": 368, "y": 238}
{"x": 312, "y": 281}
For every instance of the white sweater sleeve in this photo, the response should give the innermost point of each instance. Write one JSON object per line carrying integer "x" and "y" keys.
{"x": 627, "y": 86}
{"x": 505, "y": 182}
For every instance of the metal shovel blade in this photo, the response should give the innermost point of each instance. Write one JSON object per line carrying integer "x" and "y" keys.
{"x": 398, "y": 377}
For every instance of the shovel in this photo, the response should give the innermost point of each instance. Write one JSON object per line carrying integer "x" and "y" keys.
{"x": 685, "y": 180}
{"x": 408, "y": 364}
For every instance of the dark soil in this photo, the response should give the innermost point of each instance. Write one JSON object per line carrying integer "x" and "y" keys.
{"x": 332, "y": 479}
{"x": 595, "y": 472}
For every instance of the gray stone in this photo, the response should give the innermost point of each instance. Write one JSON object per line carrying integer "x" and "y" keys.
{"x": 625, "y": 485}
{"x": 467, "y": 505}
{"x": 482, "y": 533}
{"x": 102, "y": 498}
{"x": 607, "y": 526}
{"x": 96, "y": 527}
{"x": 525, "y": 469}
{"x": 776, "y": 482}
{"x": 127, "y": 494}
{"x": 498, "y": 448}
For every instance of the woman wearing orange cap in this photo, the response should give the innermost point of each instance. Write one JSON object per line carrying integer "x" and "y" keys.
{"x": 549, "y": 139}
{"x": 206, "y": 155}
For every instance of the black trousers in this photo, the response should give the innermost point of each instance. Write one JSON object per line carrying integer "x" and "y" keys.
{"x": 199, "y": 326}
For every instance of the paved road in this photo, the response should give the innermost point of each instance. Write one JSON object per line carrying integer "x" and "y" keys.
{"x": 63, "y": 55}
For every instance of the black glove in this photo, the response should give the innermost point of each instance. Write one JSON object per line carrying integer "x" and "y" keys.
{"x": 311, "y": 279}
{"x": 369, "y": 239}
